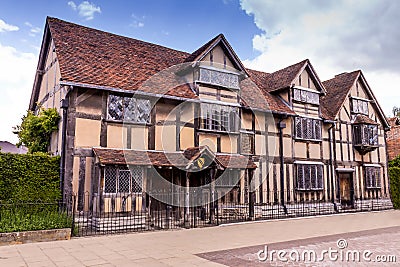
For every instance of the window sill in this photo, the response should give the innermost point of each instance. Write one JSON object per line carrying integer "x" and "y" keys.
{"x": 308, "y": 140}
{"x": 310, "y": 190}
{"x": 129, "y": 123}
{"x": 217, "y": 131}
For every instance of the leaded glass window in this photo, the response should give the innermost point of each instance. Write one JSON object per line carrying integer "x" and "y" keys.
{"x": 307, "y": 128}
{"x": 306, "y": 96}
{"x": 129, "y": 109}
{"x": 220, "y": 78}
{"x": 360, "y": 106}
{"x": 372, "y": 177}
{"x": 118, "y": 180}
{"x": 365, "y": 134}
{"x": 310, "y": 176}
{"x": 219, "y": 118}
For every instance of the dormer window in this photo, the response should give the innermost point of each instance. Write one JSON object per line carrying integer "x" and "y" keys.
{"x": 359, "y": 106}
{"x": 221, "y": 77}
{"x": 306, "y": 96}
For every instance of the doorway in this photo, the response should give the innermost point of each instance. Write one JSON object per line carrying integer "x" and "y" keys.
{"x": 346, "y": 190}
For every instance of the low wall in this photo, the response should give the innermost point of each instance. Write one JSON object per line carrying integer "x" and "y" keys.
{"x": 34, "y": 236}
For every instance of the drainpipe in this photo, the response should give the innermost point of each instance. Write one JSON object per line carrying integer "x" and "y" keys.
{"x": 332, "y": 165}
{"x": 281, "y": 126}
{"x": 64, "y": 107}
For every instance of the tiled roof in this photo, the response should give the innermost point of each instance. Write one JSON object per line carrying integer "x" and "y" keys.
{"x": 108, "y": 156}
{"x": 337, "y": 89}
{"x": 362, "y": 119}
{"x": 283, "y": 78}
{"x": 100, "y": 58}
{"x": 251, "y": 93}
{"x": 93, "y": 57}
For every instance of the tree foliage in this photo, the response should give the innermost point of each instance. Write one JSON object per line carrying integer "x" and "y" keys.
{"x": 35, "y": 130}
{"x": 394, "y": 175}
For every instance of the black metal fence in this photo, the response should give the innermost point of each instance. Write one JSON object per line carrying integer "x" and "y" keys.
{"x": 34, "y": 215}
{"x": 162, "y": 210}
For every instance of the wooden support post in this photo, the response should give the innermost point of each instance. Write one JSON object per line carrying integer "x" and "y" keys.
{"x": 187, "y": 222}
{"x": 212, "y": 174}
{"x": 252, "y": 194}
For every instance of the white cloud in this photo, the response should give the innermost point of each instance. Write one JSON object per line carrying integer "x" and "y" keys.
{"x": 138, "y": 21}
{"x": 4, "y": 27}
{"x": 85, "y": 9}
{"x": 33, "y": 30}
{"x": 336, "y": 36}
{"x": 17, "y": 72}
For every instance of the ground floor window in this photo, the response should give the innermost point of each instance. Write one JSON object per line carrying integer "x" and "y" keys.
{"x": 310, "y": 176}
{"x": 372, "y": 177}
{"x": 123, "y": 180}
{"x": 229, "y": 178}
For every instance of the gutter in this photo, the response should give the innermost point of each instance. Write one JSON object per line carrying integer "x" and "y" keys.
{"x": 331, "y": 156}
{"x": 281, "y": 126}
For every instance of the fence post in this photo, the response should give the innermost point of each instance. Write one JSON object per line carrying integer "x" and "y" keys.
{"x": 73, "y": 214}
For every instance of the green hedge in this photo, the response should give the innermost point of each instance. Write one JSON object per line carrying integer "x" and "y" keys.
{"x": 29, "y": 177}
{"x": 394, "y": 174}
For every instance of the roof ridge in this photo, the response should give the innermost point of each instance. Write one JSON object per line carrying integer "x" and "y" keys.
{"x": 113, "y": 34}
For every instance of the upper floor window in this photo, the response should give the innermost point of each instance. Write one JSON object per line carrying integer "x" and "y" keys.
{"x": 365, "y": 134}
{"x": 219, "y": 118}
{"x": 307, "y": 128}
{"x": 372, "y": 177}
{"x": 306, "y": 96}
{"x": 117, "y": 180}
{"x": 359, "y": 106}
{"x": 220, "y": 78}
{"x": 310, "y": 176}
{"x": 128, "y": 109}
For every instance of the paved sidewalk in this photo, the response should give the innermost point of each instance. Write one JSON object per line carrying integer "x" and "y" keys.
{"x": 179, "y": 247}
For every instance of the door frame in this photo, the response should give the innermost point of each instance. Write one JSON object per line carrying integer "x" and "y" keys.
{"x": 349, "y": 172}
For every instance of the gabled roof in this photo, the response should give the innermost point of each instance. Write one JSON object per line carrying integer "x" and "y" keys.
{"x": 220, "y": 39}
{"x": 96, "y": 59}
{"x": 285, "y": 77}
{"x": 338, "y": 88}
{"x": 254, "y": 100}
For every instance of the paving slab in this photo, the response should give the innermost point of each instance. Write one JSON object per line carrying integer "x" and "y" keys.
{"x": 181, "y": 247}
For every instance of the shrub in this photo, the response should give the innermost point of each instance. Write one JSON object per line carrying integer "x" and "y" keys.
{"x": 29, "y": 177}
{"x": 394, "y": 174}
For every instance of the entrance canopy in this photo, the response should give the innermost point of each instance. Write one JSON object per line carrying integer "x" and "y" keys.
{"x": 195, "y": 157}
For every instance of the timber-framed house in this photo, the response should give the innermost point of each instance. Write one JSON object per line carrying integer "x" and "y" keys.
{"x": 238, "y": 136}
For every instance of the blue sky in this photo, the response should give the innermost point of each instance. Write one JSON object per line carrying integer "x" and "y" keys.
{"x": 336, "y": 35}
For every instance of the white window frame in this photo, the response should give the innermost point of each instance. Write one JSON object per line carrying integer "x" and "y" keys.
{"x": 306, "y": 96}
{"x": 212, "y": 118}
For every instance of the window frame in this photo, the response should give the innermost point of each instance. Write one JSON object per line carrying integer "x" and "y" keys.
{"x": 299, "y": 93}
{"x": 117, "y": 180}
{"x": 304, "y": 124}
{"x": 355, "y": 106}
{"x": 364, "y": 134}
{"x": 374, "y": 181}
{"x": 126, "y": 102}
{"x": 211, "y": 116}
{"x": 318, "y": 179}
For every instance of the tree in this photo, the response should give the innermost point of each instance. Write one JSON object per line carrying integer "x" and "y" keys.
{"x": 35, "y": 130}
{"x": 396, "y": 111}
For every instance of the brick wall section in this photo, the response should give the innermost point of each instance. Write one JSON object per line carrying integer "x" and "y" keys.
{"x": 393, "y": 138}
